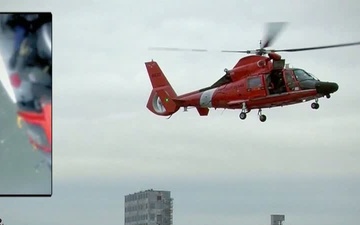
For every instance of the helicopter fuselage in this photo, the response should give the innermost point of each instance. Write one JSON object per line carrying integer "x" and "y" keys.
{"x": 259, "y": 82}
{"x": 258, "y": 91}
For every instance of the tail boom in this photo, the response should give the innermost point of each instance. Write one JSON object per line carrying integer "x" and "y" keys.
{"x": 163, "y": 100}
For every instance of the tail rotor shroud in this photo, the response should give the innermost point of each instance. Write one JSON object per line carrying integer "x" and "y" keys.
{"x": 158, "y": 105}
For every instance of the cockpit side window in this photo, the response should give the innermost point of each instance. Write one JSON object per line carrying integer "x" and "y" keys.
{"x": 301, "y": 75}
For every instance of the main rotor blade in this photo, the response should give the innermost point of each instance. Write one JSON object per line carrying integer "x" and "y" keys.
{"x": 192, "y": 50}
{"x": 178, "y": 49}
{"x": 315, "y": 48}
{"x": 273, "y": 29}
{"x": 240, "y": 51}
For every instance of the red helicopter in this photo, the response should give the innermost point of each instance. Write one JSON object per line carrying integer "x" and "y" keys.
{"x": 255, "y": 82}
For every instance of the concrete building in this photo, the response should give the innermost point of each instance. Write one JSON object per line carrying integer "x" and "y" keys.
{"x": 277, "y": 219}
{"x": 150, "y": 207}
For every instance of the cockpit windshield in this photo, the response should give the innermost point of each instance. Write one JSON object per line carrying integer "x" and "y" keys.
{"x": 313, "y": 76}
{"x": 301, "y": 75}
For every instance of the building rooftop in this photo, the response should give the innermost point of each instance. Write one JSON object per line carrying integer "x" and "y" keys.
{"x": 149, "y": 190}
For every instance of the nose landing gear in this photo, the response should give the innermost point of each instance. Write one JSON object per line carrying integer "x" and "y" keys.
{"x": 262, "y": 117}
{"x": 315, "y": 105}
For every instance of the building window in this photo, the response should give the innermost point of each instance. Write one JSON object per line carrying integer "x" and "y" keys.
{"x": 159, "y": 197}
{"x": 152, "y": 205}
{"x": 152, "y": 217}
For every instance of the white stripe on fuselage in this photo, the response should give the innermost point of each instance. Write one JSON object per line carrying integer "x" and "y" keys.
{"x": 206, "y": 98}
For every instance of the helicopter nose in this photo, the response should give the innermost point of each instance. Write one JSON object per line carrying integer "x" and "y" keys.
{"x": 326, "y": 88}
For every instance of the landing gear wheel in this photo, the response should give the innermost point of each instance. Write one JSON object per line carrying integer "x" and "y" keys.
{"x": 328, "y": 96}
{"x": 242, "y": 115}
{"x": 262, "y": 118}
{"x": 315, "y": 105}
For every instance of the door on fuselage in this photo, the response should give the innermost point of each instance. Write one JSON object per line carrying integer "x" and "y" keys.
{"x": 276, "y": 83}
{"x": 290, "y": 81}
{"x": 256, "y": 87}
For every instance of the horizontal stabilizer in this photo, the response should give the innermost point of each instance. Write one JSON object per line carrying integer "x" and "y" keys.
{"x": 166, "y": 100}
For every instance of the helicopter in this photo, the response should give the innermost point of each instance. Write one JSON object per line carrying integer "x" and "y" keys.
{"x": 258, "y": 81}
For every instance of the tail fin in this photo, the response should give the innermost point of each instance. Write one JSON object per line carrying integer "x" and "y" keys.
{"x": 161, "y": 98}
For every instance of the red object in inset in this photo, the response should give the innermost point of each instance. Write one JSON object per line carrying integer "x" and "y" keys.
{"x": 43, "y": 120}
{"x": 15, "y": 80}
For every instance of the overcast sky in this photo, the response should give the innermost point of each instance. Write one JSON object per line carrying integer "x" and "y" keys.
{"x": 219, "y": 169}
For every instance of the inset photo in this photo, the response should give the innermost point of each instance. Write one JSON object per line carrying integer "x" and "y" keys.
{"x": 26, "y": 104}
